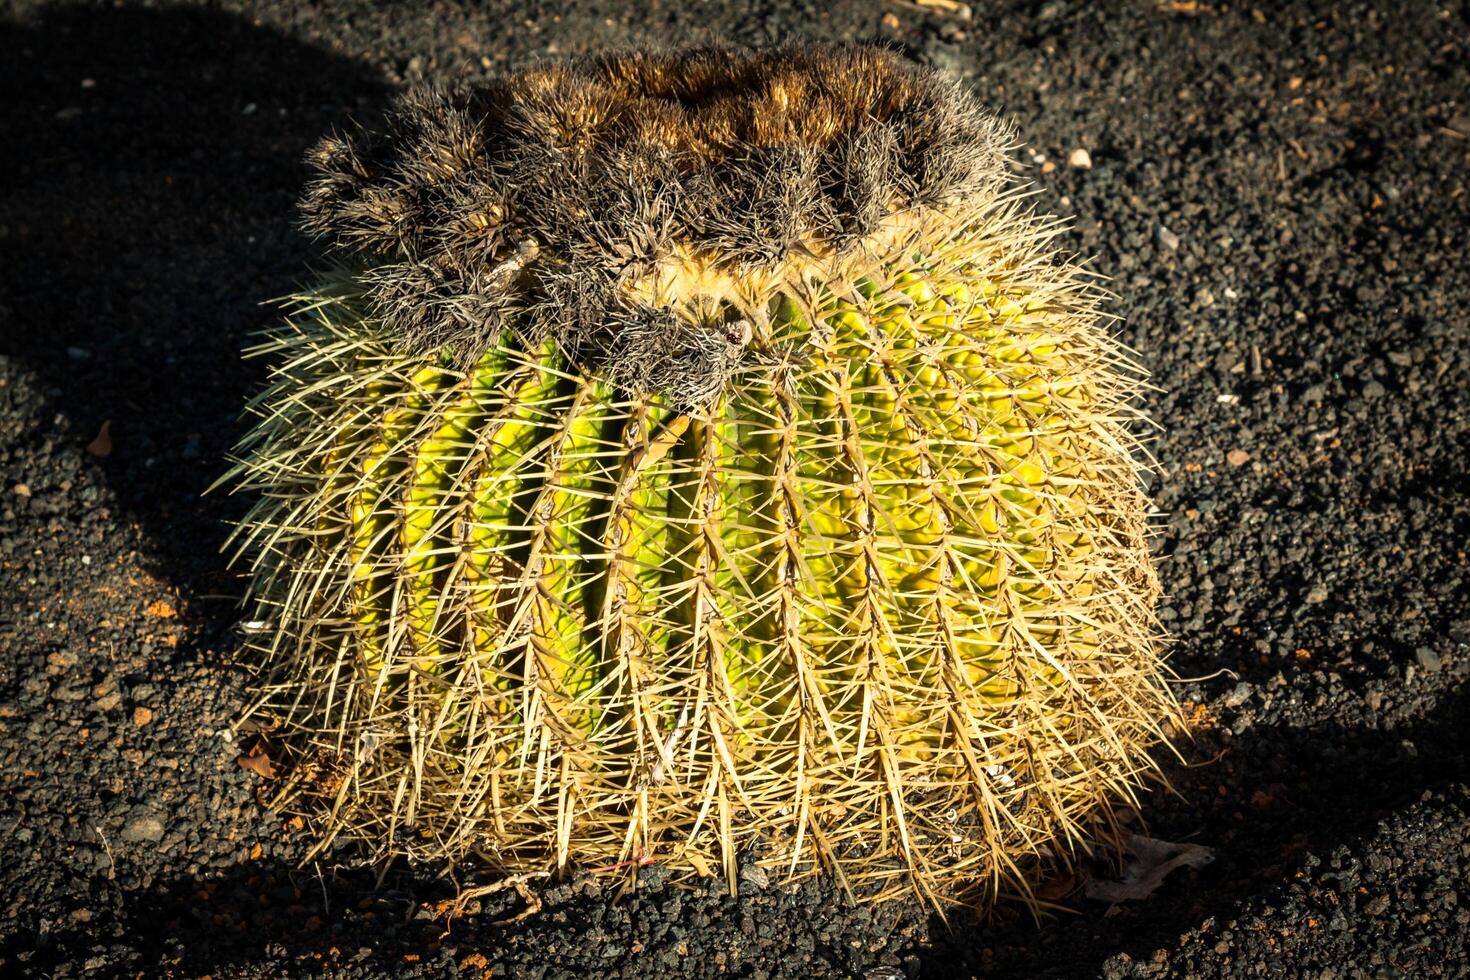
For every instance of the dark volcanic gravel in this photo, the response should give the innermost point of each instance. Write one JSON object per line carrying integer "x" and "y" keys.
{"x": 1280, "y": 197}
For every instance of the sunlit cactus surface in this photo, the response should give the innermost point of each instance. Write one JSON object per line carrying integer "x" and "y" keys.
{"x": 702, "y": 453}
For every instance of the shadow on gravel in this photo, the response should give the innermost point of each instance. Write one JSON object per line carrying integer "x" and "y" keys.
{"x": 154, "y": 160}
{"x": 1288, "y": 792}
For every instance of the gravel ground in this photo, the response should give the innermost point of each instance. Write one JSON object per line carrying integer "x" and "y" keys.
{"x": 1280, "y": 196}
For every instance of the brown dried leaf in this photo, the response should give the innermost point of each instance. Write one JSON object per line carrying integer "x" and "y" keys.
{"x": 260, "y": 764}
{"x": 1056, "y": 889}
{"x": 1151, "y": 864}
{"x": 701, "y": 866}
{"x": 102, "y": 445}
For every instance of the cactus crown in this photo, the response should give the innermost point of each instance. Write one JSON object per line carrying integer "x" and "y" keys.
{"x": 644, "y": 208}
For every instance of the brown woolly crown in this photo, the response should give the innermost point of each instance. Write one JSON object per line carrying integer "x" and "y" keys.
{"x": 643, "y": 207}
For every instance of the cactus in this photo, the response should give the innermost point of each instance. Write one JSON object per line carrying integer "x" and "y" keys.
{"x": 697, "y": 451}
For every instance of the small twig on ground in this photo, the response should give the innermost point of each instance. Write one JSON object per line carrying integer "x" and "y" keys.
{"x": 111, "y": 859}
{"x": 642, "y": 861}
{"x": 518, "y": 882}
{"x": 326, "y": 902}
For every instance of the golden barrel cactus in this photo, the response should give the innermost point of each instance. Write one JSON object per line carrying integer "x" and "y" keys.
{"x": 697, "y": 451}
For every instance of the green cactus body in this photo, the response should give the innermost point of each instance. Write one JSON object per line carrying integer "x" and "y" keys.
{"x": 832, "y": 608}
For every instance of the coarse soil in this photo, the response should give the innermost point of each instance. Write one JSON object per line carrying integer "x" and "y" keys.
{"x": 1279, "y": 194}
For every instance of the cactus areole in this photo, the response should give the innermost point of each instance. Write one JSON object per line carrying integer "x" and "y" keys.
{"x": 699, "y": 454}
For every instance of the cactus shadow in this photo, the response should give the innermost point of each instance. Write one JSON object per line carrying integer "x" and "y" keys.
{"x": 272, "y": 912}
{"x": 1276, "y": 794}
{"x": 153, "y": 158}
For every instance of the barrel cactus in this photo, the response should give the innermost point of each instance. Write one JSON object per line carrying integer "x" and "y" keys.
{"x": 700, "y": 452}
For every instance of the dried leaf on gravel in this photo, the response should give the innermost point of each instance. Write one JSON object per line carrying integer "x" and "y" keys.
{"x": 701, "y": 866}
{"x": 1056, "y": 889}
{"x": 1152, "y": 860}
{"x": 102, "y": 445}
{"x": 260, "y": 764}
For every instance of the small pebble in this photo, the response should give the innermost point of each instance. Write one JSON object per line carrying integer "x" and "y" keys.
{"x": 755, "y": 876}
{"x": 1239, "y": 695}
{"x": 145, "y": 827}
{"x": 1080, "y": 159}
